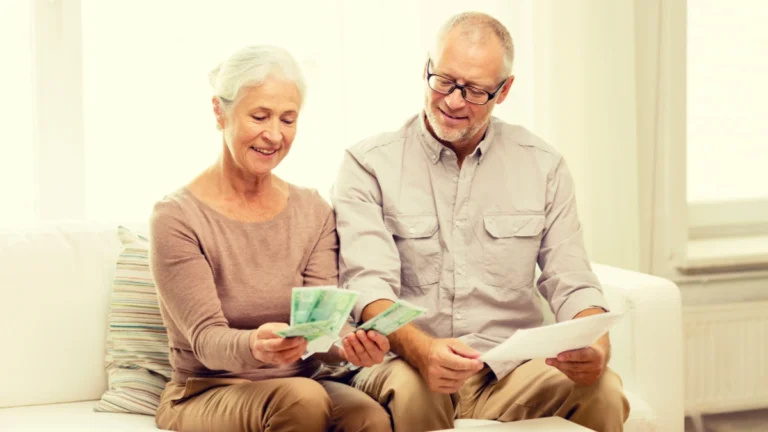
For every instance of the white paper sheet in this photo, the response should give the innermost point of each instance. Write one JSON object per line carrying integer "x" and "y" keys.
{"x": 549, "y": 341}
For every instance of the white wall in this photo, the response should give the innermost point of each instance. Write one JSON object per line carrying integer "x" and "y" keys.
{"x": 585, "y": 104}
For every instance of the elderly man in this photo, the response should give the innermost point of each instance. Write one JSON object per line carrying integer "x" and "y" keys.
{"x": 452, "y": 212}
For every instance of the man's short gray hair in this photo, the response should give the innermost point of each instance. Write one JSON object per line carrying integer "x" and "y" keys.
{"x": 478, "y": 25}
{"x": 250, "y": 66}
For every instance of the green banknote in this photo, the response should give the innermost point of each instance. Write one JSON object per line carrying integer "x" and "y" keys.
{"x": 303, "y": 302}
{"x": 333, "y": 305}
{"x": 309, "y": 331}
{"x": 399, "y": 314}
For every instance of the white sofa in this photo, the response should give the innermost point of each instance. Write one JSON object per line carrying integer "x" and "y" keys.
{"x": 56, "y": 281}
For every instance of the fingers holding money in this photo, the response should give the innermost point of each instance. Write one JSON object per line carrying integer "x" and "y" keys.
{"x": 365, "y": 349}
{"x": 269, "y": 348}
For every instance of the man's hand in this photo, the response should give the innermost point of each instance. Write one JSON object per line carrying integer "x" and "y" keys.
{"x": 364, "y": 349}
{"x": 583, "y": 366}
{"x": 448, "y": 364}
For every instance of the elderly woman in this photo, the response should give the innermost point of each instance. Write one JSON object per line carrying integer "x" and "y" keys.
{"x": 226, "y": 250}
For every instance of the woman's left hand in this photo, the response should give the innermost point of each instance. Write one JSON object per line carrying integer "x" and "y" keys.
{"x": 364, "y": 349}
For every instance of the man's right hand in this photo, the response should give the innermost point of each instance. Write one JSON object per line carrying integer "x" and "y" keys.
{"x": 269, "y": 348}
{"x": 448, "y": 364}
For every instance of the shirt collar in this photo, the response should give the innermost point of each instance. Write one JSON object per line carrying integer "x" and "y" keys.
{"x": 435, "y": 149}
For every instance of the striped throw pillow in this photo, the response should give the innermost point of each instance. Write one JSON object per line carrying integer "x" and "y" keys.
{"x": 137, "y": 343}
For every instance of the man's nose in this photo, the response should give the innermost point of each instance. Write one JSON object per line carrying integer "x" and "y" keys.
{"x": 455, "y": 100}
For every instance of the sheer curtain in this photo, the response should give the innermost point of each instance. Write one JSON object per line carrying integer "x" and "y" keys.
{"x": 17, "y": 168}
{"x": 147, "y": 113}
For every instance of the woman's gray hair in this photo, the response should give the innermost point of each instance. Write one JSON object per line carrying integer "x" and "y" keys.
{"x": 249, "y": 67}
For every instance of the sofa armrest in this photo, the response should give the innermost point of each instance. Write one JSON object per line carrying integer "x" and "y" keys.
{"x": 647, "y": 345}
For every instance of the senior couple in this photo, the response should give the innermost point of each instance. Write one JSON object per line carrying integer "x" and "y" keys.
{"x": 451, "y": 212}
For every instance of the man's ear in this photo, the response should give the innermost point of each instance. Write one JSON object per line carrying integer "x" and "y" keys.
{"x": 505, "y": 89}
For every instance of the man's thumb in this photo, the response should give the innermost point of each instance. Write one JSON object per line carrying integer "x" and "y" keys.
{"x": 462, "y": 350}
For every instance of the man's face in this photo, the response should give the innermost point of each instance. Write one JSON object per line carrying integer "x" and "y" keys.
{"x": 468, "y": 62}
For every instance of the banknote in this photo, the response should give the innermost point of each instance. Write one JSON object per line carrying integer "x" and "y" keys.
{"x": 318, "y": 314}
{"x": 333, "y": 305}
{"x": 397, "y": 315}
{"x": 309, "y": 331}
{"x": 303, "y": 302}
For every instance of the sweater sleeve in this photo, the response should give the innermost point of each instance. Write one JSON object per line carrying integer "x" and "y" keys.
{"x": 185, "y": 285}
{"x": 323, "y": 265}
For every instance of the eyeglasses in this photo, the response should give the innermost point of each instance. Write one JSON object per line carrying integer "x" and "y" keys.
{"x": 471, "y": 94}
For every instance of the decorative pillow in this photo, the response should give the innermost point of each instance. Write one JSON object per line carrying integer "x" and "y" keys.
{"x": 137, "y": 343}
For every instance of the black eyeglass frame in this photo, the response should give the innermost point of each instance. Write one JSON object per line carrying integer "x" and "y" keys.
{"x": 462, "y": 88}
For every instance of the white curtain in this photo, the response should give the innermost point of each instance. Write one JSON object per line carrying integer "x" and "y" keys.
{"x": 17, "y": 176}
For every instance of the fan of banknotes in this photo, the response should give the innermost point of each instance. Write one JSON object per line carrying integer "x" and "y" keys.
{"x": 318, "y": 314}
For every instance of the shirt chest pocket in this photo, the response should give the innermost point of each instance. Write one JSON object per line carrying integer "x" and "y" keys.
{"x": 418, "y": 243}
{"x": 510, "y": 249}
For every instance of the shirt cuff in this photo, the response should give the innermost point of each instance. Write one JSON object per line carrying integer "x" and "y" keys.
{"x": 585, "y": 298}
{"x": 370, "y": 290}
{"x": 503, "y": 368}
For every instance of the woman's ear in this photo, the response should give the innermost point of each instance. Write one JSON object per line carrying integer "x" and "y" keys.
{"x": 218, "y": 112}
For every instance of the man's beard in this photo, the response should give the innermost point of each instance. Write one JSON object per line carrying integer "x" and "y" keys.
{"x": 447, "y": 134}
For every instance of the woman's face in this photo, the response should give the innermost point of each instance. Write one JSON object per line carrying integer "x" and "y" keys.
{"x": 259, "y": 129}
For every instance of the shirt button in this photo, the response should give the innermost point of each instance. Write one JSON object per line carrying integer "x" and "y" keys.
{"x": 434, "y": 157}
{"x": 458, "y": 315}
{"x": 455, "y": 179}
{"x": 411, "y": 230}
{"x": 458, "y": 271}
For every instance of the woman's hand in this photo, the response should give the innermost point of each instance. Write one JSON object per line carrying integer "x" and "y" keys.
{"x": 269, "y": 348}
{"x": 363, "y": 348}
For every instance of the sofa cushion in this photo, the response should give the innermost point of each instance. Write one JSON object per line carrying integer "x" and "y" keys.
{"x": 55, "y": 288}
{"x": 78, "y": 416}
{"x": 137, "y": 344}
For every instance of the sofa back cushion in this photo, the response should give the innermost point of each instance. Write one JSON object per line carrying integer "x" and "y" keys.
{"x": 55, "y": 288}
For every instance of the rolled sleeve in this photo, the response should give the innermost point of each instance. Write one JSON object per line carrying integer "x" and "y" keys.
{"x": 370, "y": 290}
{"x": 585, "y": 298}
{"x": 369, "y": 261}
{"x": 501, "y": 368}
{"x": 567, "y": 280}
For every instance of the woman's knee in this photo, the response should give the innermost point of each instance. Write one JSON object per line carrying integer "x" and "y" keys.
{"x": 302, "y": 403}
{"x": 304, "y": 393}
{"x": 370, "y": 417}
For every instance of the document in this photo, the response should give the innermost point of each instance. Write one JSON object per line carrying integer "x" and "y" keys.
{"x": 549, "y": 341}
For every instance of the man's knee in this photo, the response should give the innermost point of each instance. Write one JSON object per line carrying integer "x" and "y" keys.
{"x": 401, "y": 389}
{"x": 405, "y": 380}
{"x": 606, "y": 400}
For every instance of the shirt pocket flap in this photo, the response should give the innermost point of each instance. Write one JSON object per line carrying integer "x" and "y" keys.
{"x": 505, "y": 226}
{"x": 411, "y": 226}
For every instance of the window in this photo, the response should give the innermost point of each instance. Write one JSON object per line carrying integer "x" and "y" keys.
{"x": 727, "y": 129}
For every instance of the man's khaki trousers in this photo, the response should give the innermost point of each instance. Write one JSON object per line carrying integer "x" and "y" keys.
{"x": 533, "y": 390}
